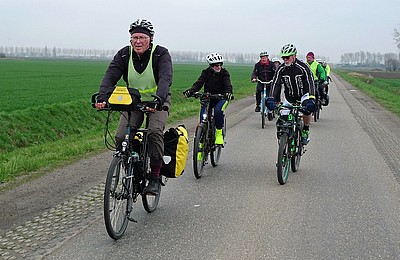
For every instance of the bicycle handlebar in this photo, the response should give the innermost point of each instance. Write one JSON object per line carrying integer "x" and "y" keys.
{"x": 209, "y": 95}
{"x": 263, "y": 82}
{"x": 142, "y": 106}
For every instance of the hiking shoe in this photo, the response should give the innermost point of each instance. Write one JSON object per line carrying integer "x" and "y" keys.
{"x": 258, "y": 109}
{"x": 219, "y": 138}
{"x": 153, "y": 187}
{"x": 305, "y": 137}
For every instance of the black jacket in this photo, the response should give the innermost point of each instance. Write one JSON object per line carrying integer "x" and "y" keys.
{"x": 297, "y": 80}
{"x": 215, "y": 83}
{"x": 162, "y": 70}
{"x": 263, "y": 72}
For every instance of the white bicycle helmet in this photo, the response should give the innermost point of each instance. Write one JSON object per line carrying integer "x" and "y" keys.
{"x": 318, "y": 60}
{"x": 142, "y": 24}
{"x": 213, "y": 58}
{"x": 263, "y": 54}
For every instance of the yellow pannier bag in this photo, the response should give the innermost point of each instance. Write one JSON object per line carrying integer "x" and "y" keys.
{"x": 176, "y": 149}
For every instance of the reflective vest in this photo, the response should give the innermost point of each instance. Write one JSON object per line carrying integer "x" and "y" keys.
{"x": 314, "y": 67}
{"x": 144, "y": 82}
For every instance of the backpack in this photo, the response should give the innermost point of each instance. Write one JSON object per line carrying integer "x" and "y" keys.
{"x": 176, "y": 149}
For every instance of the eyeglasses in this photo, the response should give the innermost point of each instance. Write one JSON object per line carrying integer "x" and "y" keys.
{"x": 286, "y": 57}
{"x": 216, "y": 65}
{"x": 140, "y": 38}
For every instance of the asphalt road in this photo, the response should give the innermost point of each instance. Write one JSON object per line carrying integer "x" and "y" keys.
{"x": 343, "y": 203}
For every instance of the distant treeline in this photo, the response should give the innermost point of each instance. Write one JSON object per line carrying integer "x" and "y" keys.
{"x": 177, "y": 56}
{"x": 390, "y": 61}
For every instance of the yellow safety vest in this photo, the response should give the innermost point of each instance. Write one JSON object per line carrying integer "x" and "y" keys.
{"x": 144, "y": 82}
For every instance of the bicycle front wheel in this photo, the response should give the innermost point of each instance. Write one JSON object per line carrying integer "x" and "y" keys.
{"x": 116, "y": 199}
{"x": 199, "y": 151}
{"x": 263, "y": 113}
{"x": 283, "y": 163}
{"x": 297, "y": 151}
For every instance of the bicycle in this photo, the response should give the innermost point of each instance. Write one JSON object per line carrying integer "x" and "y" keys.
{"x": 128, "y": 173}
{"x": 318, "y": 103}
{"x": 264, "y": 110}
{"x": 204, "y": 140}
{"x": 289, "y": 127}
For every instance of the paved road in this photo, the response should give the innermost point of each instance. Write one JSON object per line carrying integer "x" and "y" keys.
{"x": 343, "y": 203}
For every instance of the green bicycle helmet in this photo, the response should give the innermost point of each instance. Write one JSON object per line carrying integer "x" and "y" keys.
{"x": 288, "y": 50}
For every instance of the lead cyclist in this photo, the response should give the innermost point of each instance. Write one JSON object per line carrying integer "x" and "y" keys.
{"x": 297, "y": 80}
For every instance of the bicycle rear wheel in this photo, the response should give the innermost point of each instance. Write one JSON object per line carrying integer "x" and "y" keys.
{"x": 116, "y": 198}
{"x": 199, "y": 151}
{"x": 215, "y": 154}
{"x": 150, "y": 201}
{"x": 298, "y": 151}
{"x": 283, "y": 163}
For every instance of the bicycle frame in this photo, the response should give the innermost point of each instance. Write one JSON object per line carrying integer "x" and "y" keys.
{"x": 289, "y": 128}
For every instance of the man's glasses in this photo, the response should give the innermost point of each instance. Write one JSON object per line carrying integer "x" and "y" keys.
{"x": 216, "y": 65}
{"x": 139, "y": 38}
{"x": 286, "y": 57}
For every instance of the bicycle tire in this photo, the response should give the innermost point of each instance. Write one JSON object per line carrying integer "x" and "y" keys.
{"x": 263, "y": 113}
{"x": 116, "y": 199}
{"x": 215, "y": 155}
{"x": 296, "y": 156}
{"x": 283, "y": 162}
{"x": 198, "y": 163}
{"x": 150, "y": 201}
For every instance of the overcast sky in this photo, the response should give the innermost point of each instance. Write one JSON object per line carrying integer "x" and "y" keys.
{"x": 329, "y": 28}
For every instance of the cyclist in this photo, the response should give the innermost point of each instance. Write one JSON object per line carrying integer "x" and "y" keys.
{"x": 146, "y": 68}
{"x": 277, "y": 62}
{"x": 263, "y": 70}
{"x": 216, "y": 80}
{"x": 328, "y": 78}
{"x": 319, "y": 76}
{"x": 297, "y": 79}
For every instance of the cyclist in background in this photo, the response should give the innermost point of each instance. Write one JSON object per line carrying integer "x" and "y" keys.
{"x": 319, "y": 76}
{"x": 277, "y": 62}
{"x": 263, "y": 70}
{"x": 298, "y": 82}
{"x": 146, "y": 68}
{"x": 328, "y": 78}
{"x": 216, "y": 80}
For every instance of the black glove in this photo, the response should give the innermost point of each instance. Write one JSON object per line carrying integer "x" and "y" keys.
{"x": 309, "y": 104}
{"x": 155, "y": 104}
{"x": 228, "y": 96}
{"x": 329, "y": 79}
{"x": 188, "y": 93}
{"x": 271, "y": 103}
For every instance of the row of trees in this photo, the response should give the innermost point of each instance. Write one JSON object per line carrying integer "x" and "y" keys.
{"x": 390, "y": 61}
{"x": 177, "y": 56}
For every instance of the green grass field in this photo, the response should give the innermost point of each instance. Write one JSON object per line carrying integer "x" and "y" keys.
{"x": 46, "y": 115}
{"x": 384, "y": 87}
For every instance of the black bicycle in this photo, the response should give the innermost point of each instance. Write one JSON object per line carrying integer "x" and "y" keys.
{"x": 204, "y": 140}
{"x": 128, "y": 173}
{"x": 289, "y": 127}
{"x": 318, "y": 102}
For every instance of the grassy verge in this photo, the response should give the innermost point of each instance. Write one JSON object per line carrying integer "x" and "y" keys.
{"x": 46, "y": 135}
{"x": 386, "y": 91}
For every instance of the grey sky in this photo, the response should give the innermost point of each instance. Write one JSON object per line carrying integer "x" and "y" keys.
{"x": 329, "y": 28}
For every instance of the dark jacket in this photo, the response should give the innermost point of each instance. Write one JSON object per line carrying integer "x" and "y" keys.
{"x": 263, "y": 72}
{"x": 162, "y": 70}
{"x": 297, "y": 80}
{"x": 215, "y": 83}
